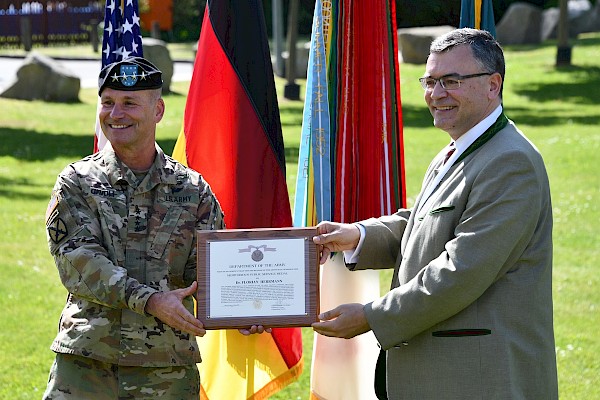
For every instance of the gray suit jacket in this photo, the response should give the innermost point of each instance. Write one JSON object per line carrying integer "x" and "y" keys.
{"x": 469, "y": 315}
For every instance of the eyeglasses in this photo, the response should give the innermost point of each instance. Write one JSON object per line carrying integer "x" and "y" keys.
{"x": 449, "y": 82}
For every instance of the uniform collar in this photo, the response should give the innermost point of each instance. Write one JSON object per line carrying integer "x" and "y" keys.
{"x": 161, "y": 171}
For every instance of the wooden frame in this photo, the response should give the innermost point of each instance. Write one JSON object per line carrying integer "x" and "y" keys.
{"x": 232, "y": 293}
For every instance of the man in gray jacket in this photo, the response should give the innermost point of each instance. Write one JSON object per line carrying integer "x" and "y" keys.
{"x": 469, "y": 314}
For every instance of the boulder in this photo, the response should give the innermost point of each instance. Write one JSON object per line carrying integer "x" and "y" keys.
{"x": 413, "y": 43}
{"x": 550, "y": 19}
{"x": 43, "y": 78}
{"x": 582, "y": 18}
{"x": 578, "y": 8}
{"x": 156, "y": 51}
{"x": 588, "y": 21}
{"x": 521, "y": 24}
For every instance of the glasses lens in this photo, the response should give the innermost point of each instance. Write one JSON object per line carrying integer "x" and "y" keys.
{"x": 450, "y": 83}
{"x": 427, "y": 83}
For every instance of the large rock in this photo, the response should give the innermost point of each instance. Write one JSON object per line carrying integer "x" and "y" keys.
{"x": 521, "y": 24}
{"x": 550, "y": 20}
{"x": 582, "y": 18}
{"x": 578, "y": 8}
{"x": 588, "y": 21}
{"x": 43, "y": 78}
{"x": 157, "y": 53}
{"x": 413, "y": 43}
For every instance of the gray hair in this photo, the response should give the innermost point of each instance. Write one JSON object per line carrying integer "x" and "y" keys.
{"x": 486, "y": 49}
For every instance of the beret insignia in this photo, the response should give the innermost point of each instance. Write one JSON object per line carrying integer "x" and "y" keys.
{"x": 134, "y": 73}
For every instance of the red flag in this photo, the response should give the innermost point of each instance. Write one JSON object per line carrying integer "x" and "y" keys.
{"x": 369, "y": 172}
{"x": 352, "y": 120}
{"x": 232, "y": 136}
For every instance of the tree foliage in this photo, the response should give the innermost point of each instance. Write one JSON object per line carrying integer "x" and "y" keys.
{"x": 187, "y": 19}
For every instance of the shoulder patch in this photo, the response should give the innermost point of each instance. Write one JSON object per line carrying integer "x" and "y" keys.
{"x": 57, "y": 230}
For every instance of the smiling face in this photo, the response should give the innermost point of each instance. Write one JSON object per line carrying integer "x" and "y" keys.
{"x": 129, "y": 118}
{"x": 458, "y": 110}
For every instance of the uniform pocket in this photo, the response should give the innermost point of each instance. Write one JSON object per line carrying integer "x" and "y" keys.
{"x": 112, "y": 225}
{"x": 164, "y": 232}
{"x": 170, "y": 243}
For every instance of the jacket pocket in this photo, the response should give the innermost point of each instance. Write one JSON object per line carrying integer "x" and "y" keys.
{"x": 113, "y": 227}
{"x": 441, "y": 209}
{"x": 170, "y": 242}
{"x": 437, "y": 211}
{"x": 165, "y": 232}
{"x": 462, "y": 332}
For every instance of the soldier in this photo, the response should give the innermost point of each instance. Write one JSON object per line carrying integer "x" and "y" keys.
{"x": 121, "y": 228}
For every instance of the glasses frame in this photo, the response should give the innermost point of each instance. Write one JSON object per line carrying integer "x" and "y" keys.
{"x": 458, "y": 78}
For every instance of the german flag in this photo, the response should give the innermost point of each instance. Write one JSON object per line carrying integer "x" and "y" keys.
{"x": 232, "y": 136}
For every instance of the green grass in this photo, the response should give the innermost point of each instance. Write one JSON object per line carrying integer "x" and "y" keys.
{"x": 556, "y": 108}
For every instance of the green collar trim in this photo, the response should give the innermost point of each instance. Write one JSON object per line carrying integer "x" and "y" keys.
{"x": 496, "y": 127}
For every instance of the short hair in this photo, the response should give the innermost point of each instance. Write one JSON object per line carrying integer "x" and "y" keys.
{"x": 485, "y": 48}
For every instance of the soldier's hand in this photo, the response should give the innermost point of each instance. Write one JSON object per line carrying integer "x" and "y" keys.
{"x": 254, "y": 329}
{"x": 169, "y": 308}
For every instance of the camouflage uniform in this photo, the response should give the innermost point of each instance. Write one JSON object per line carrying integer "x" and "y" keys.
{"x": 116, "y": 242}
{"x": 75, "y": 377}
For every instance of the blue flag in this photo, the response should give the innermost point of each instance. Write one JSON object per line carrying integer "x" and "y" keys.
{"x": 314, "y": 160}
{"x": 121, "y": 39}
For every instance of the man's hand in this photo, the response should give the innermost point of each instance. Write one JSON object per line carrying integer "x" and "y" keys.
{"x": 345, "y": 321}
{"x": 334, "y": 236}
{"x": 254, "y": 329}
{"x": 169, "y": 308}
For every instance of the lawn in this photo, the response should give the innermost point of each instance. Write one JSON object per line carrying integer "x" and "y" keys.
{"x": 558, "y": 109}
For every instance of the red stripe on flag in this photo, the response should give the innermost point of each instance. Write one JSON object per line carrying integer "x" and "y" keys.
{"x": 289, "y": 343}
{"x": 401, "y": 178}
{"x": 226, "y": 140}
{"x": 369, "y": 161}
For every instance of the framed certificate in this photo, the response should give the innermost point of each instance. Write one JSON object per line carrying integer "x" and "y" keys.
{"x": 266, "y": 277}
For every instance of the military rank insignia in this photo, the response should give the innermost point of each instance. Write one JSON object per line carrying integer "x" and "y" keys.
{"x": 129, "y": 75}
{"x": 56, "y": 227}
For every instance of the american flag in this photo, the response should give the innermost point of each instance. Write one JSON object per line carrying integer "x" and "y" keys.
{"x": 121, "y": 39}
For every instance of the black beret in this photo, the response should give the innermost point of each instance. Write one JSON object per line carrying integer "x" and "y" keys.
{"x": 134, "y": 73}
